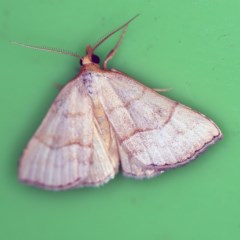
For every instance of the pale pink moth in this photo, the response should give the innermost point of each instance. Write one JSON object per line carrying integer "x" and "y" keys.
{"x": 103, "y": 118}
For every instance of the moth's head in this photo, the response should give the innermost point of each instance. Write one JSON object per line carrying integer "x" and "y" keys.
{"x": 90, "y": 57}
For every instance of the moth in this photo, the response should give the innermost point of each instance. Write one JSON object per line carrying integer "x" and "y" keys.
{"x": 102, "y": 119}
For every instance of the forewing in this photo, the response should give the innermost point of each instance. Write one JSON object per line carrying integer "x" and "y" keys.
{"x": 66, "y": 149}
{"x": 154, "y": 133}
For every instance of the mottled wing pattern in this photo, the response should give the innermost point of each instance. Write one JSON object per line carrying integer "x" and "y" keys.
{"x": 154, "y": 133}
{"x": 67, "y": 150}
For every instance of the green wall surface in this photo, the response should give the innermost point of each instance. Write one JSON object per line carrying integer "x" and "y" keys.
{"x": 190, "y": 46}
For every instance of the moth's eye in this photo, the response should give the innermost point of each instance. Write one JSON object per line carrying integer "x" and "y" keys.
{"x": 81, "y": 61}
{"x": 95, "y": 59}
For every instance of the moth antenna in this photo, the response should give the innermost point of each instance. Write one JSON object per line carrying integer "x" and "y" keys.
{"x": 114, "y": 31}
{"x": 56, "y": 50}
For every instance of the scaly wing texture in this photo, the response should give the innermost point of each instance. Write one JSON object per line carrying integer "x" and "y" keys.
{"x": 154, "y": 133}
{"x": 67, "y": 150}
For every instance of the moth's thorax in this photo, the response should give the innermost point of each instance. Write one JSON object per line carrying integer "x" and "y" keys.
{"x": 87, "y": 82}
{"x": 91, "y": 80}
{"x": 92, "y": 83}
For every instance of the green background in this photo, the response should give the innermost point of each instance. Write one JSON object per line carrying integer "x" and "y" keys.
{"x": 191, "y": 46}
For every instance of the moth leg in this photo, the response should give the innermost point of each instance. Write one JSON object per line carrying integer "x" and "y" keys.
{"x": 162, "y": 89}
{"x": 114, "y": 50}
{"x": 115, "y": 70}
